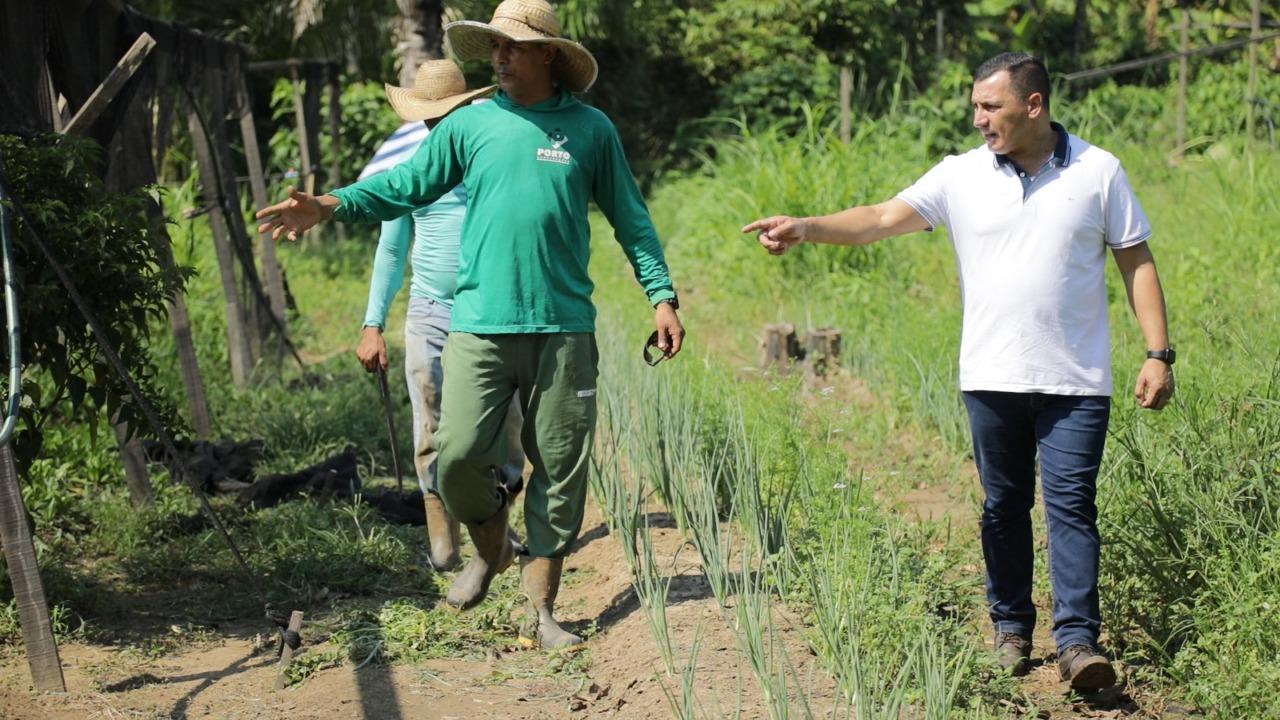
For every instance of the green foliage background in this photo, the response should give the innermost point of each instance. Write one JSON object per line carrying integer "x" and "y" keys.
{"x": 1189, "y": 500}
{"x": 670, "y": 65}
{"x": 728, "y": 108}
{"x": 108, "y": 243}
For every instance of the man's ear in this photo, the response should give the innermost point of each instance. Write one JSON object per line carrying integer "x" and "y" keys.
{"x": 549, "y": 53}
{"x": 1035, "y": 104}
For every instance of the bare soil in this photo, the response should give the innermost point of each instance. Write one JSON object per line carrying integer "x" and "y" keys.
{"x": 232, "y": 673}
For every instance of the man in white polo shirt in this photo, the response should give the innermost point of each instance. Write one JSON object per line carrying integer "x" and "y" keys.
{"x": 1031, "y": 213}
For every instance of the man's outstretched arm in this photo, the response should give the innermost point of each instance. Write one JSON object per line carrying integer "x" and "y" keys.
{"x": 860, "y": 225}
{"x": 294, "y": 216}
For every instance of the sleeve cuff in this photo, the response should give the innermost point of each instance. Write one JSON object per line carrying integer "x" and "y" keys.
{"x": 339, "y": 211}
{"x": 661, "y": 294}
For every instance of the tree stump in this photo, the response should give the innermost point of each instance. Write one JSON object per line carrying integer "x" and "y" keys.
{"x": 778, "y": 346}
{"x": 822, "y": 352}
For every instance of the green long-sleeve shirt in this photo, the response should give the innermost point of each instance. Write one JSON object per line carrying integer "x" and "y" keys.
{"x": 530, "y": 174}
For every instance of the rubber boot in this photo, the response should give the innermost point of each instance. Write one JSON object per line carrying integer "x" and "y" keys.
{"x": 541, "y": 578}
{"x": 443, "y": 533}
{"x": 493, "y": 554}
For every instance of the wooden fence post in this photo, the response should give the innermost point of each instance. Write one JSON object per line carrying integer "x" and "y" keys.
{"x": 28, "y": 588}
{"x": 335, "y": 137}
{"x": 1255, "y": 49}
{"x": 180, "y": 324}
{"x": 1182, "y": 81}
{"x": 237, "y": 339}
{"x": 259, "y": 322}
{"x": 135, "y": 467}
{"x": 286, "y": 652}
{"x": 306, "y": 178}
{"x": 258, "y": 185}
{"x": 939, "y": 37}
{"x": 846, "y": 104}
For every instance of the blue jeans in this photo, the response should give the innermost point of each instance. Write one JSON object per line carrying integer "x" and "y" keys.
{"x": 426, "y": 328}
{"x": 1068, "y": 434}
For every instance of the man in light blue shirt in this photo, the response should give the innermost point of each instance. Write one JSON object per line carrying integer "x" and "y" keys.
{"x": 427, "y": 241}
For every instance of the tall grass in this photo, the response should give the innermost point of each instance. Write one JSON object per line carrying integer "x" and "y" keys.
{"x": 627, "y": 514}
{"x": 742, "y": 468}
{"x": 1194, "y": 509}
{"x": 896, "y": 302}
{"x": 1190, "y": 499}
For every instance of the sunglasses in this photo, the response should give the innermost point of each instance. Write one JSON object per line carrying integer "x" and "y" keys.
{"x": 652, "y": 342}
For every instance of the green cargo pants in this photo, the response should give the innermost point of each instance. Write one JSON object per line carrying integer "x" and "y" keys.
{"x": 556, "y": 375}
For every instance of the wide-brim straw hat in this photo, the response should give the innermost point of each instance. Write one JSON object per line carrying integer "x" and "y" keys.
{"x": 526, "y": 21}
{"x": 438, "y": 90}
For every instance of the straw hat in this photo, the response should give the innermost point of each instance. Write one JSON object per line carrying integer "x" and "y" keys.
{"x": 526, "y": 21}
{"x": 438, "y": 89}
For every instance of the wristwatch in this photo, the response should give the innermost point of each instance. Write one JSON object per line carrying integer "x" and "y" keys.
{"x": 673, "y": 301}
{"x": 1167, "y": 355}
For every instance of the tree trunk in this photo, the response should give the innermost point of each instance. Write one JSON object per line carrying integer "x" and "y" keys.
{"x": 1081, "y": 30}
{"x": 822, "y": 352}
{"x": 424, "y": 36}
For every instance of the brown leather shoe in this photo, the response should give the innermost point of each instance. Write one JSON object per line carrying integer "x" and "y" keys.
{"x": 1086, "y": 668}
{"x": 1013, "y": 652}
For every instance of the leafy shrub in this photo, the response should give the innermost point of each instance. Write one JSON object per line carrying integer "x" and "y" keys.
{"x": 109, "y": 245}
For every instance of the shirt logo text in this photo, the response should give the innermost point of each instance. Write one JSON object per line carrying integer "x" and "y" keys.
{"x": 554, "y": 153}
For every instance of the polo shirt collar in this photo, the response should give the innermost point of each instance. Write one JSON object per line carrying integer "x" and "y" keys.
{"x": 1061, "y": 152}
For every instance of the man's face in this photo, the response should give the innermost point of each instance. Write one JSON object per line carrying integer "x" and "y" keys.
{"x": 1002, "y": 118}
{"x": 521, "y": 66}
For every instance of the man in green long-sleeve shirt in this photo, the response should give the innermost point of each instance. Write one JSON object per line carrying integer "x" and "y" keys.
{"x": 523, "y": 319}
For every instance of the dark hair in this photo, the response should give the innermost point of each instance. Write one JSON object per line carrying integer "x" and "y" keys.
{"x": 1027, "y": 74}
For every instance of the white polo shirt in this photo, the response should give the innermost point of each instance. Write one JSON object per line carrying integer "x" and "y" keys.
{"x": 1032, "y": 262}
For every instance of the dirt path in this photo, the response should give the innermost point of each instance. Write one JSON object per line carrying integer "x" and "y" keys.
{"x": 231, "y": 674}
